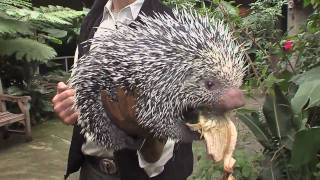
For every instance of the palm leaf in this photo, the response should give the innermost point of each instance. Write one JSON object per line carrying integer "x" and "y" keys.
{"x": 27, "y": 49}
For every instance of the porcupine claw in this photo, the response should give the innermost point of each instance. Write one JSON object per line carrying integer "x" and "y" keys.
{"x": 220, "y": 135}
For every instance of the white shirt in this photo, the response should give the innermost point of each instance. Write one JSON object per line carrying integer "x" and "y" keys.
{"x": 109, "y": 20}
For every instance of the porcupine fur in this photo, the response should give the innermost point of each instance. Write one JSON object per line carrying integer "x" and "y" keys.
{"x": 168, "y": 62}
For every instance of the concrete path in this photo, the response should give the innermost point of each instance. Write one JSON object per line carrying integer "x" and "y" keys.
{"x": 44, "y": 158}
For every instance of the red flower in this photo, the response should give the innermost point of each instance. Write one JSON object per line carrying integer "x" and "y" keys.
{"x": 288, "y": 45}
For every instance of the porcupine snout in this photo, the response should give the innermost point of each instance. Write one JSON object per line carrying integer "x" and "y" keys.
{"x": 232, "y": 99}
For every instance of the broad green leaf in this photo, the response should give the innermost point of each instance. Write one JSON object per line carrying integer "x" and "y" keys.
{"x": 306, "y": 146}
{"x": 278, "y": 113}
{"x": 307, "y": 96}
{"x": 27, "y": 49}
{"x": 311, "y": 75}
{"x": 253, "y": 123}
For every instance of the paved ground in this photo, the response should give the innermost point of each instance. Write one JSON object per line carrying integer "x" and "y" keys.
{"x": 44, "y": 158}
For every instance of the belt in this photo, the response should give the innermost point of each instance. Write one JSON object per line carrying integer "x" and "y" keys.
{"x": 105, "y": 165}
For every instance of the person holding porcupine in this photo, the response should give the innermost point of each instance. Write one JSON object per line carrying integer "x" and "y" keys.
{"x": 141, "y": 83}
{"x": 96, "y": 162}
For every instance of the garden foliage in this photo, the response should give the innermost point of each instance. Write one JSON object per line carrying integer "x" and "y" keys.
{"x": 27, "y": 35}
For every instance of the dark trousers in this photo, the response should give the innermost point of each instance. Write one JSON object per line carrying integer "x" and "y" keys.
{"x": 179, "y": 167}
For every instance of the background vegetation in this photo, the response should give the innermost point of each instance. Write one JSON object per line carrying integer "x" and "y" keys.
{"x": 28, "y": 36}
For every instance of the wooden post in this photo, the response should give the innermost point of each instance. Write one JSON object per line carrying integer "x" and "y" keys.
{"x": 2, "y": 103}
{"x": 297, "y": 17}
{"x": 27, "y": 122}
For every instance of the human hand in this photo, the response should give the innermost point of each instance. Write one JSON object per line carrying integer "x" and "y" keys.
{"x": 63, "y": 104}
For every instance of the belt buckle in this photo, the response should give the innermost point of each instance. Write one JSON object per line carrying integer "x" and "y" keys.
{"x": 108, "y": 166}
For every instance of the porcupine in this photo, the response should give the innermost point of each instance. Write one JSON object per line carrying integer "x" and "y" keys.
{"x": 172, "y": 63}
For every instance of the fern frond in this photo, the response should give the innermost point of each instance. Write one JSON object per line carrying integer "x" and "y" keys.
{"x": 12, "y": 27}
{"x": 59, "y": 14}
{"x": 5, "y": 4}
{"x": 47, "y": 15}
{"x": 26, "y": 49}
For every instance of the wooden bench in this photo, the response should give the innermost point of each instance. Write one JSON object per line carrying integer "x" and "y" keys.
{"x": 7, "y": 118}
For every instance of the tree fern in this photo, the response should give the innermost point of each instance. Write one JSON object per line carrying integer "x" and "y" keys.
{"x": 46, "y": 15}
{"x": 5, "y": 4}
{"x": 24, "y": 29}
{"x": 11, "y": 27}
{"x": 59, "y": 13}
{"x": 28, "y": 49}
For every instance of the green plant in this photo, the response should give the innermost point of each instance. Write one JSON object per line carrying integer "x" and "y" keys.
{"x": 25, "y": 30}
{"x": 26, "y": 36}
{"x": 247, "y": 166}
{"x": 314, "y": 3}
{"x": 306, "y": 44}
{"x": 20, "y": 79}
{"x": 273, "y": 127}
{"x": 288, "y": 125}
{"x": 291, "y": 144}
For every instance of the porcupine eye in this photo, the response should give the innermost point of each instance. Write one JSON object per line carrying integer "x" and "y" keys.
{"x": 209, "y": 84}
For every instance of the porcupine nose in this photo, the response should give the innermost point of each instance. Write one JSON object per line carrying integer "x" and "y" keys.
{"x": 231, "y": 99}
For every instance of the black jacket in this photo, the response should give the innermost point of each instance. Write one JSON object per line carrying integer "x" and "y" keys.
{"x": 179, "y": 167}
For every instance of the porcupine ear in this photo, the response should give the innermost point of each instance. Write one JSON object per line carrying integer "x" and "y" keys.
{"x": 95, "y": 123}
